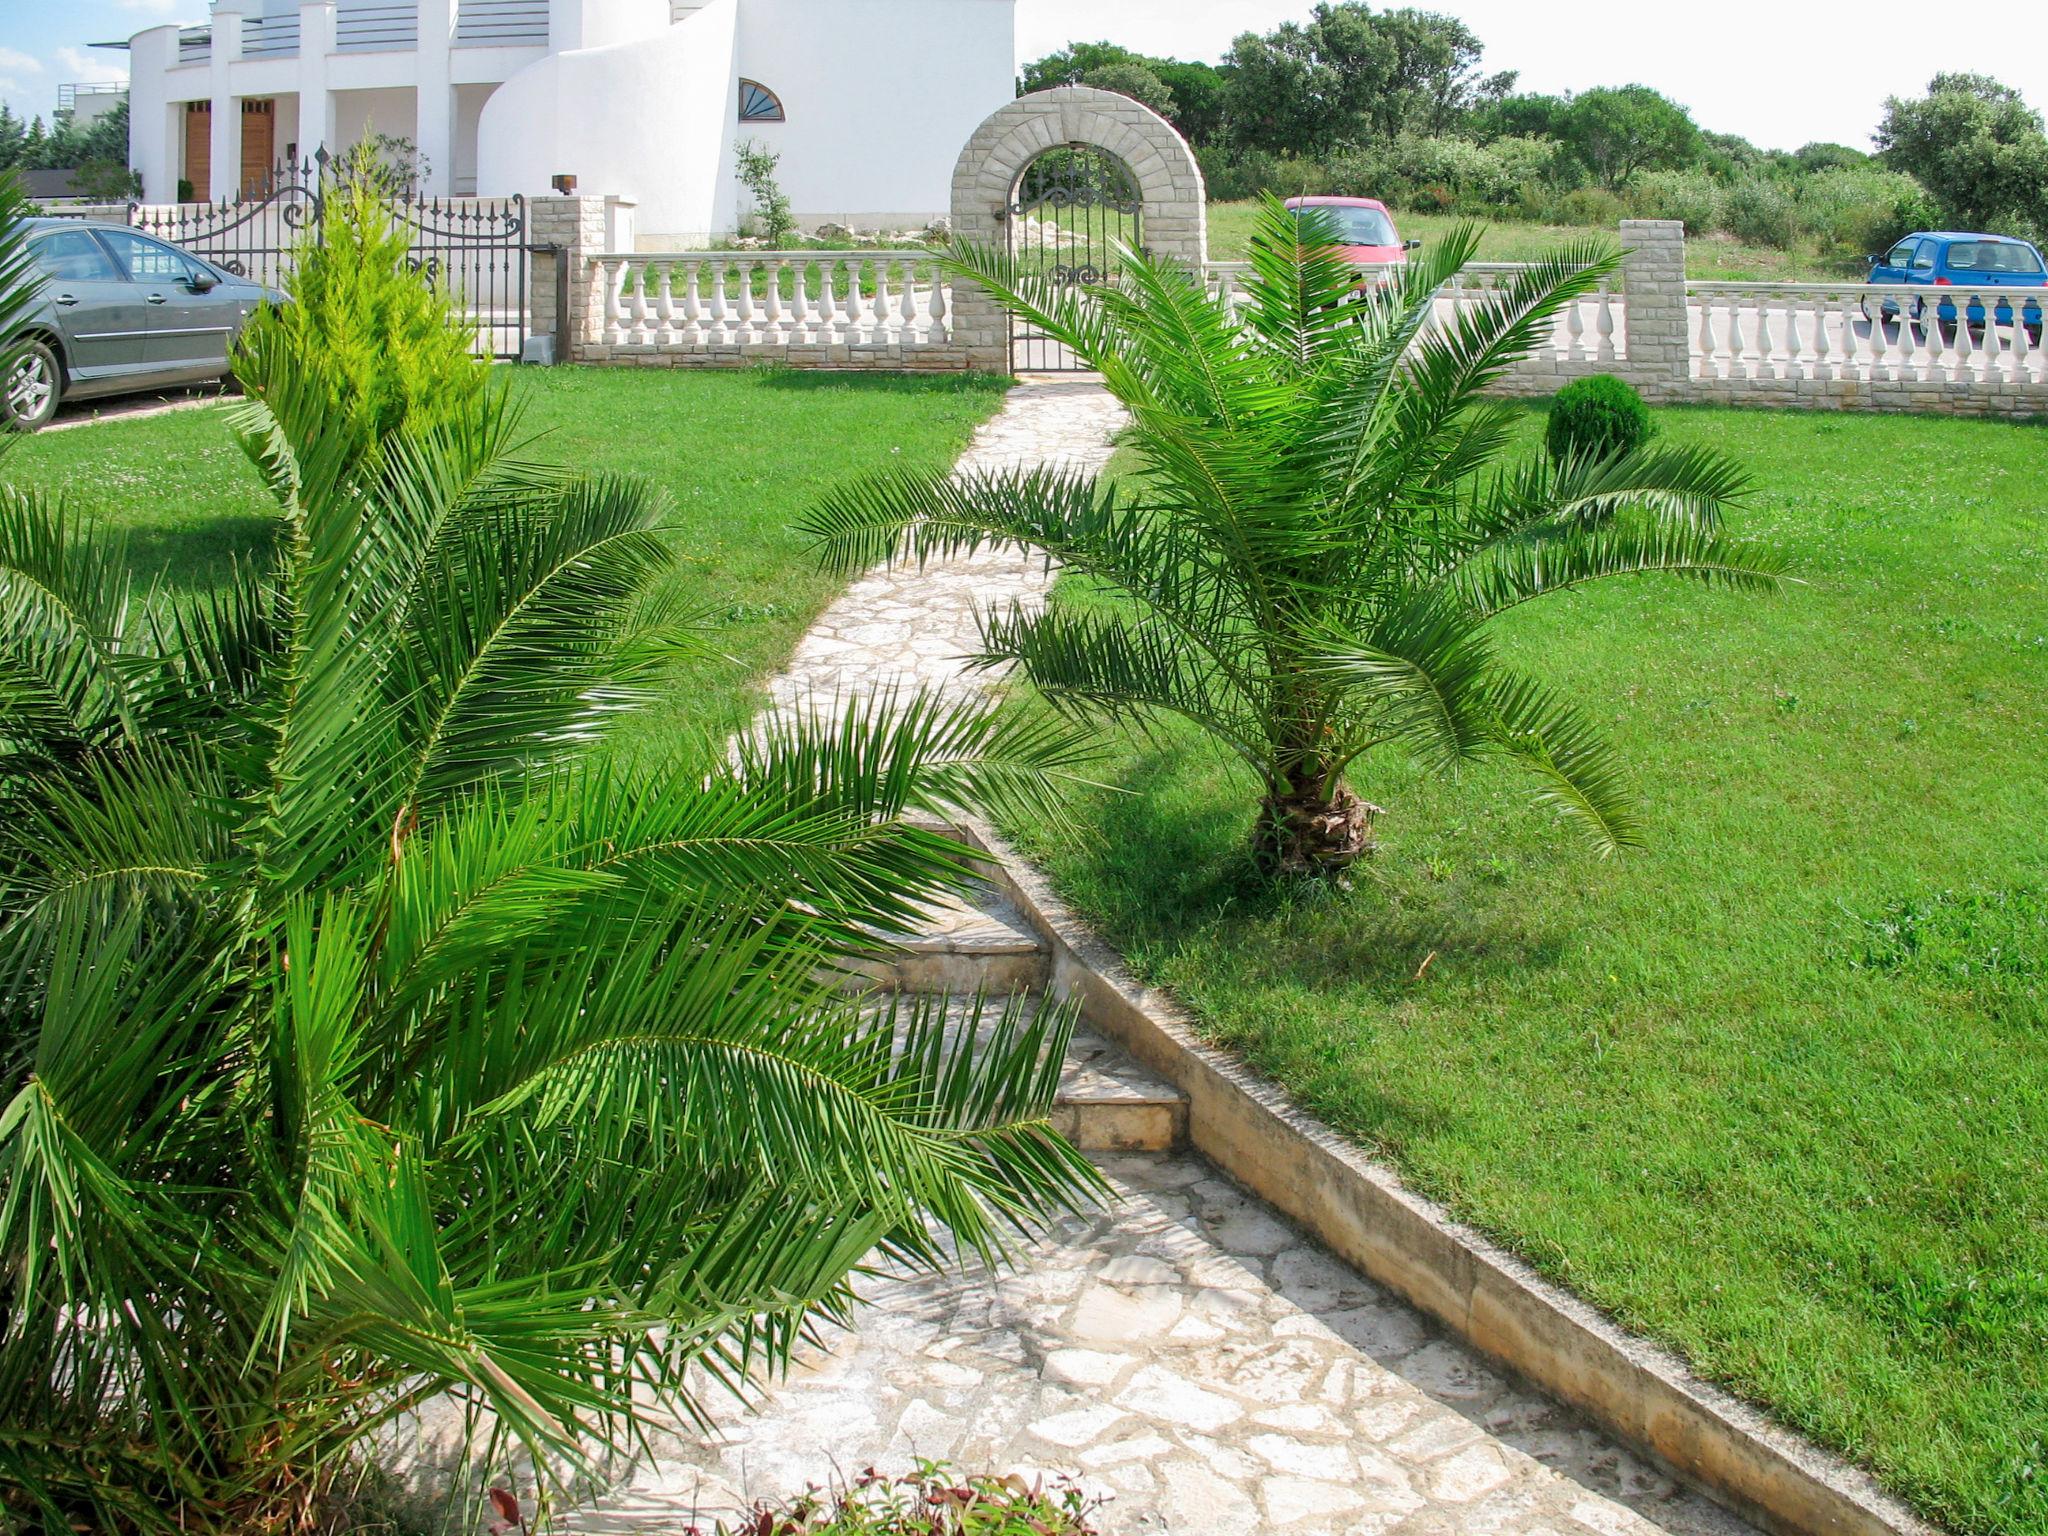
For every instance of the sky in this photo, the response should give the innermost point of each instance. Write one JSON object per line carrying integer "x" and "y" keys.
{"x": 1779, "y": 72}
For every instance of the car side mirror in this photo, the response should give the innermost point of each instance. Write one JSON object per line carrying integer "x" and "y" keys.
{"x": 1411, "y": 245}
{"x": 202, "y": 282}
{"x": 1871, "y": 261}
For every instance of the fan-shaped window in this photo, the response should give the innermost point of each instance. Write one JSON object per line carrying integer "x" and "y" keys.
{"x": 758, "y": 104}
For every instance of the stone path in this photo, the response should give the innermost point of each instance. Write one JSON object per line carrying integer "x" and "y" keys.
{"x": 909, "y": 626}
{"x": 1188, "y": 1357}
{"x": 1199, "y": 1365}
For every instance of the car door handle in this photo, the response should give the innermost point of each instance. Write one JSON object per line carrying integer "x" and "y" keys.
{"x": 157, "y": 298}
{"x": 67, "y": 299}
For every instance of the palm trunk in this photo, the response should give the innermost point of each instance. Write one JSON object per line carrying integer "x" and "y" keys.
{"x": 1304, "y": 832}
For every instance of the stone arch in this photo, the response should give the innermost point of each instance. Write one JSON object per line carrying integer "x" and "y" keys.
{"x": 1173, "y": 218}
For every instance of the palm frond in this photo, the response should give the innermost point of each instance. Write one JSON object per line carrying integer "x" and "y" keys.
{"x": 1507, "y": 575}
{"x": 1584, "y": 781}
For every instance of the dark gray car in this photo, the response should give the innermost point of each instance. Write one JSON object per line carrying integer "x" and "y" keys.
{"x": 119, "y": 311}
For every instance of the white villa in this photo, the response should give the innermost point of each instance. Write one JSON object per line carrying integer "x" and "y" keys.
{"x": 867, "y": 101}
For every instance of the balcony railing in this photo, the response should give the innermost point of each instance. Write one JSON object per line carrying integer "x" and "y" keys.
{"x": 269, "y": 37}
{"x": 502, "y": 24}
{"x": 364, "y": 26}
{"x": 72, "y": 92}
{"x": 195, "y": 45}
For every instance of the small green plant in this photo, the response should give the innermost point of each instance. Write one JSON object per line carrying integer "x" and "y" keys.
{"x": 1596, "y": 418}
{"x": 772, "y": 211}
{"x": 932, "y": 1501}
{"x": 385, "y": 350}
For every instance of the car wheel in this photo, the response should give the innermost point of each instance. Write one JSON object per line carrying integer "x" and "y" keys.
{"x": 35, "y": 386}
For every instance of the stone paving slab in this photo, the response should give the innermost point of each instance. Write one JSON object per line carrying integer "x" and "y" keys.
{"x": 1198, "y": 1364}
{"x": 909, "y": 627}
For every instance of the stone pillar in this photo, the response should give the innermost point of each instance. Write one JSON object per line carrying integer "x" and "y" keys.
{"x": 224, "y": 174}
{"x": 1653, "y": 286}
{"x": 1172, "y": 221}
{"x": 434, "y": 98}
{"x": 576, "y": 225}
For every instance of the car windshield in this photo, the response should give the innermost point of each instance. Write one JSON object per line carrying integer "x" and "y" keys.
{"x": 1359, "y": 226}
{"x": 1992, "y": 256}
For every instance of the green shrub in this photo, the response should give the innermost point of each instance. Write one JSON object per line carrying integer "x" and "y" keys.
{"x": 1691, "y": 197}
{"x": 385, "y": 351}
{"x": 1596, "y": 417}
{"x": 1585, "y": 205}
{"x": 1760, "y": 211}
{"x": 1864, "y": 210}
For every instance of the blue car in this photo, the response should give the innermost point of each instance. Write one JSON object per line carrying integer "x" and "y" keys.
{"x": 1946, "y": 258}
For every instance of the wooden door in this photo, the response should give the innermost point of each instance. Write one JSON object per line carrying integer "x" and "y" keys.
{"x": 199, "y": 149}
{"x": 259, "y": 145}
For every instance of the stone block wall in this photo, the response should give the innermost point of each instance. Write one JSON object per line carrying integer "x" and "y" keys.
{"x": 578, "y": 227}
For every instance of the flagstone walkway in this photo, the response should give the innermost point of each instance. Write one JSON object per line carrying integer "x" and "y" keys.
{"x": 909, "y": 626}
{"x": 1188, "y": 1357}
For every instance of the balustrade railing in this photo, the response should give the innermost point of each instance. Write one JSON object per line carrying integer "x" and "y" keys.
{"x": 501, "y": 23}
{"x": 707, "y": 299}
{"x": 195, "y": 45}
{"x": 364, "y": 26}
{"x": 1864, "y": 331}
{"x": 1594, "y": 331}
{"x": 273, "y": 36}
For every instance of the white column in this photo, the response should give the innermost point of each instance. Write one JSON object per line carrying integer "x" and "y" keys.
{"x": 434, "y": 105}
{"x": 156, "y": 124}
{"x": 225, "y": 175}
{"x": 316, "y": 102}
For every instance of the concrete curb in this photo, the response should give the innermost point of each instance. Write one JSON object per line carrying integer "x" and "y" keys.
{"x": 1636, "y": 1390}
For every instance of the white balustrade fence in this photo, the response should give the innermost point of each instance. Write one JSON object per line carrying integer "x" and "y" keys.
{"x": 896, "y": 301}
{"x": 1821, "y": 345}
{"x": 1866, "y": 333}
{"x": 1589, "y": 336}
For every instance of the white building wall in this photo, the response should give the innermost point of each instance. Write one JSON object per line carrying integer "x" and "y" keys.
{"x": 644, "y": 120}
{"x": 880, "y": 95}
{"x": 155, "y": 117}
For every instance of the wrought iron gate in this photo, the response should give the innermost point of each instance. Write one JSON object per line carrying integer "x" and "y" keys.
{"x": 474, "y": 248}
{"x": 1074, "y": 207}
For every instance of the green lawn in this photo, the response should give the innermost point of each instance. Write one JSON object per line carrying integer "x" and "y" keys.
{"x": 1712, "y": 257}
{"x": 740, "y": 455}
{"x": 1775, "y": 1088}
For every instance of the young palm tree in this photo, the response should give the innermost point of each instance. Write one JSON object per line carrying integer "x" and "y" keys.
{"x": 1321, "y": 524}
{"x": 368, "y": 1039}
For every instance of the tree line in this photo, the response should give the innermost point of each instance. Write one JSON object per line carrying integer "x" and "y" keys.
{"x": 96, "y": 151}
{"x": 1395, "y": 104}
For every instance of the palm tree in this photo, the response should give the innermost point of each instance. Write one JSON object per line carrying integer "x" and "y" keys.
{"x": 1320, "y": 524}
{"x": 369, "y": 1039}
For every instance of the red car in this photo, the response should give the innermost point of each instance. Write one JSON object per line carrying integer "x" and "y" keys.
{"x": 1365, "y": 233}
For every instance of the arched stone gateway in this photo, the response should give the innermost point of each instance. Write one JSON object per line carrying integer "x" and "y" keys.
{"x": 1170, "y": 212}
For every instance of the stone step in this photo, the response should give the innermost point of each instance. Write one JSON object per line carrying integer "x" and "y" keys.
{"x": 1105, "y": 1101}
{"x": 979, "y": 944}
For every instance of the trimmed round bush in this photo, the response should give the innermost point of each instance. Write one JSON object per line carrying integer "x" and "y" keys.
{"x": 1600, "y": 416}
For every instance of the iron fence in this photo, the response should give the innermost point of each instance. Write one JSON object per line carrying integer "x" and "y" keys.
{"x": 474, "y": 249}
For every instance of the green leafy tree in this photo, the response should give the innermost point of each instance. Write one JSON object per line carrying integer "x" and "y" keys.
{"x": 1136, "y": 81}
{"x": 1191, "y": 93}
{"x": 1977, "y": 147}
{"x": 1614, "y": 133}
{"x": 1351, "y": 77}
{"x": 1322, "y": 523}
{"x": 370, "y": 1039}
{"x": 757, "y": 165}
